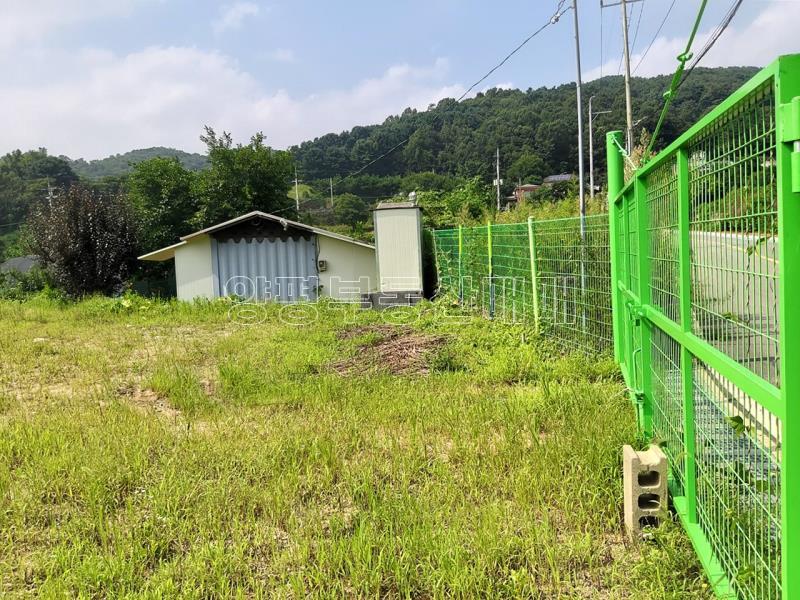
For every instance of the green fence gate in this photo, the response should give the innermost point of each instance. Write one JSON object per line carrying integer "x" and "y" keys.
{"x": 705, "y": 246}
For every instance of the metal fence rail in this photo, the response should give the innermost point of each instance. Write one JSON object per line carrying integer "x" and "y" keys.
{"x": 705, "y": 241}
{"x": 542, "y": 272}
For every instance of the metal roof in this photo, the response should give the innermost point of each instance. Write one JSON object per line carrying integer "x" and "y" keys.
{"x": 169, "y": 251}
{"x": 21, "y": 264}
{"x": 387, "y": 205}
{"x": 559, "y": 178}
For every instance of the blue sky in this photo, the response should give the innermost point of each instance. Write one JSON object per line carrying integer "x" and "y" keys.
{"x": 95, "y": 77}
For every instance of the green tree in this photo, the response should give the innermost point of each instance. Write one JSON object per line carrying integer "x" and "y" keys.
{"x": 349, "y": 209}
{"x": 242, "y": 179}
{"x": 160, "y": 190}
{"x": 528, "y": 168}
{"x": 86, "y": 241}
{"x": 26, "y": 177}
{"x": 467, "y": 204}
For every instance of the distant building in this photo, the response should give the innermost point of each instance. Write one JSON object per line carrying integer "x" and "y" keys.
{"x": 522, "y": 191}
{"x": 562, "y": 178}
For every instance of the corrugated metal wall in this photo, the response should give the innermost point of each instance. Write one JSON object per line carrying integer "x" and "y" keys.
{"x": 283, "y": 270}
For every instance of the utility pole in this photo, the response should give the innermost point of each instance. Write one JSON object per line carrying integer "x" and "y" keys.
{"x": 296, "y": 192}
{"x": 627, "y": 52}
{"x": 581, "y": 198}
{"x": 627, "y": 58}
{"x": 592, "y": 115}
{"x": 581, "y": 195}
{"x": 497, "y": 181}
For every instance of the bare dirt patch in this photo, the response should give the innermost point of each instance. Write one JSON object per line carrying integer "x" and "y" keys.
{"x": 388, "y": 348}
{"x": 147, "y": 400}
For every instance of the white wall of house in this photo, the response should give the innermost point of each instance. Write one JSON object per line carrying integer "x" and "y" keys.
{"x": 193, "y": 271}
{"x": 349, "y": 266}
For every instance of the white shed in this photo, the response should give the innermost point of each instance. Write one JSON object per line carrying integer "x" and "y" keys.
{"x": 259, "y": 256}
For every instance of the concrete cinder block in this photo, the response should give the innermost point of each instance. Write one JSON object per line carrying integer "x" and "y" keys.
{"x": 644, "y": 476}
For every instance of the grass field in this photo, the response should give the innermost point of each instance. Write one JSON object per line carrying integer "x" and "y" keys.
{"x": 166, "y": 450}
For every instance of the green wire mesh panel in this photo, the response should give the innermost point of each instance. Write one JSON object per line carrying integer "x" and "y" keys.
{"x": 732, "y": 174}
{"x": 446, "y": 244}
{"x": 662, "y": 205}
{"x": 632, "y": 227}
{"x": 633, "y": 334}
{"x": 667, "y": 397}
{"x": 475, "y": 269}
{"x": 739, "y": 483}
{"x": 714, "y": 275}
{"x": 734, "y": 261}
{"x": 511, "y": 272}
{"x": 575, "y": 281}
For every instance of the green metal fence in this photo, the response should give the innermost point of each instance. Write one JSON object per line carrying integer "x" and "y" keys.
{"x": 696, "y": 270}
{"x": 542, "y": 272}
{"x": 705, "y": 246}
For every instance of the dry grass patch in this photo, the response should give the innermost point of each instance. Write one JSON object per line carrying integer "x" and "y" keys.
{"x": 388, "y": 348}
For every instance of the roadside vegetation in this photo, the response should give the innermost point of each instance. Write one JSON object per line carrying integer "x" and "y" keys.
{"x": 161, "y": 449}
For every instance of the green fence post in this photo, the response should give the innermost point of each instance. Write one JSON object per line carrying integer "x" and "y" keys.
{"x": 645, "y": 327}
{"x": 616, "y": 181}
{"x": 685, "y": 295}
{"x": 534, "y": 276}
{"x": 491, "y": 271}
{"x": 788, "y": 129}
{"x": 460, "y": 272}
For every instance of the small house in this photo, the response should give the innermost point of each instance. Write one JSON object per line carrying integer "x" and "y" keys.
{"x": 260, "y": 256}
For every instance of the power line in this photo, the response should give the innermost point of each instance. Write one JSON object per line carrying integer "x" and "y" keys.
{"x": 726, "y": 20}
{"x": 655, "y": 37}
{"x": 622, "y": 52}
{"x": 559, "y": 12}
{"x": 638, "y": 22}
{"x": 601, "y": 41}
{"x": 676, "y": 78}
{"x": 552, "y": 21}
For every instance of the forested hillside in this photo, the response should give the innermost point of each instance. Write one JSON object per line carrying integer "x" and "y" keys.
{"x": 122, "y": 164}
{"x": 450, "y": 150}
{"x": 534, "y": 129}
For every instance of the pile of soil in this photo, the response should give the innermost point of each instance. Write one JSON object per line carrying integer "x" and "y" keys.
{"x": 389, "y": 348}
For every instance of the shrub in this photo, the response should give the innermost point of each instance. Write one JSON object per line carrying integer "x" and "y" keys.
{"x": 86, "y": 241}
{"x": 19, "y": 286}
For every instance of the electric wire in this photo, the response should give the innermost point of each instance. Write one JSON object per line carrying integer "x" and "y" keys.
{"x": 601, "y": 40}
{"x": 726, "y": 20}
{"x": 638, "y": 23}
{"x": 559, "y": 12}
{"x": 655, "y": 37}
{"x": 676, "y": 78}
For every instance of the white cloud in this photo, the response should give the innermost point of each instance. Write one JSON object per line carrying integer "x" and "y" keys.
{"x": 232, "y": 16}
{"x": 164, "y": 96}
{"x": 756, "y": 43}
{"x": 27, "y": 21}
